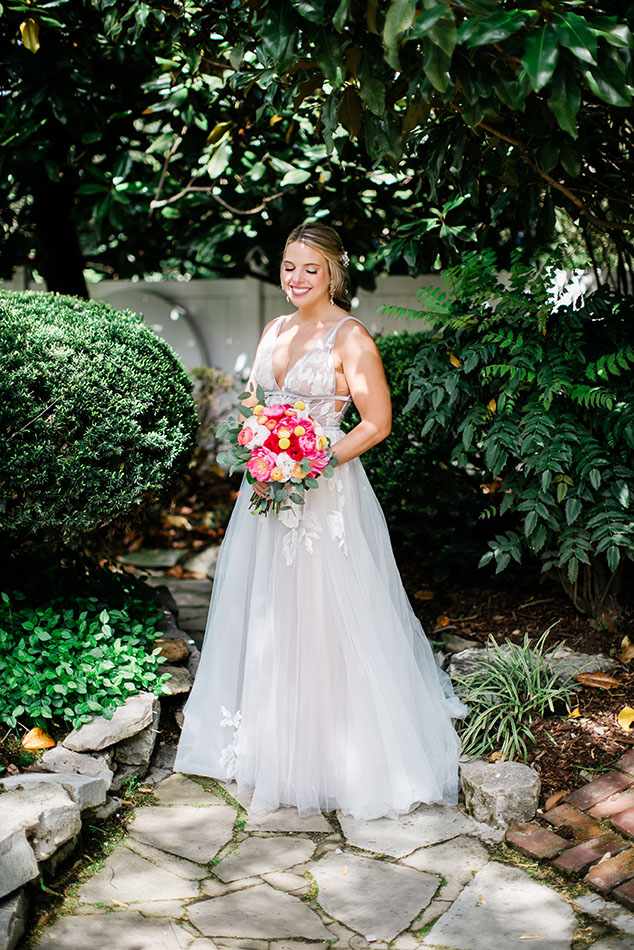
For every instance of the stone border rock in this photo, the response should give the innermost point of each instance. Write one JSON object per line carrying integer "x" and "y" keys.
{"x": 42, "y": 809}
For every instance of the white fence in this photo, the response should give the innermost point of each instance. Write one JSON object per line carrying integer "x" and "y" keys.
{"x": 218, "y": 322}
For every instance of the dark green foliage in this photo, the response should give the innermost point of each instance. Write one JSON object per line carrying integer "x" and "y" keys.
{"x": 68, "y": 657}
{"x": 95, "y": 414}
{"x": 539, "y": 395}
{"x": 429, "y": 505}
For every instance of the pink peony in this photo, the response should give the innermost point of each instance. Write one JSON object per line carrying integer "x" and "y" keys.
{"x": 245, "y": 435}
{"x": 261, "y": 464}
{"x": 274, "y": 412}
{"x": 318, "y": 461}
{"x": 307, "y": 443}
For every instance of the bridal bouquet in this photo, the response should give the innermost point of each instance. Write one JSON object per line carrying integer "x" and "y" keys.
{"x": 281, "y": 445}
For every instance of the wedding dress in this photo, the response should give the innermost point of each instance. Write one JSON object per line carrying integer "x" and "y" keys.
{"x": 317, "y": 687}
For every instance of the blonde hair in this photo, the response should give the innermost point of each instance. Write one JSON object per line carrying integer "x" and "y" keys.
{"x": 327, "y": 242}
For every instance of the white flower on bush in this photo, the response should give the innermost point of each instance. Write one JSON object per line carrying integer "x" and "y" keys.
{"x": 567, "y": 290}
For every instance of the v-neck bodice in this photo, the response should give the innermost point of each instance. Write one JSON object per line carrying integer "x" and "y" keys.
{"x": 311, "y": 378}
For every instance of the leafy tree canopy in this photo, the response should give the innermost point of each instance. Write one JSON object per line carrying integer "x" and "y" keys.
{"x": 188, "y": 136}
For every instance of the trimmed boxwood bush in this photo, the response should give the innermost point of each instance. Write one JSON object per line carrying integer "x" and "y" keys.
{"x": 430, "y": 507}
{"x": 95, "y": 415}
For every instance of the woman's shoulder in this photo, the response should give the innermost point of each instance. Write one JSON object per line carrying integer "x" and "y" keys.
{"x": 353, "y": 331}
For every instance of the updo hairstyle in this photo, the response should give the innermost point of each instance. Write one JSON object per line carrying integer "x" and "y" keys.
{"x": 327, "y": 242}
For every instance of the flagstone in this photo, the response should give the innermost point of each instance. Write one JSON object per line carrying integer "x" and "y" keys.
{"x": 177, "y": 789}
{"x": 180, "y": 830}
{"x": 503, "y": 907}
{"x": 287, "y": 881}
{"x": 608, "y": 911}
{"x": 429, "y": 824}
{"x": 128, "y": 877}
{"x": 372, "y": 897}
{"x": 172, "y": 909}
{"x": 258, "y": 912}
{"x": 282, "y": 819}
{"x": 126, "y": 930}
{"x": 456, "y": 860}
{"x": 188, "y": 870}
{"x": 261, "y": 855}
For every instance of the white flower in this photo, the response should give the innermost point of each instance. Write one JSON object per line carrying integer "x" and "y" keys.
{"x": 285, "y": 464}
{"x": 260, "y": 433}
{"x": 229, "y": 720}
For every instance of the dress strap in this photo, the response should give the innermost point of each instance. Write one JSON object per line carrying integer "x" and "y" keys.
{"x": 333, "y": 333}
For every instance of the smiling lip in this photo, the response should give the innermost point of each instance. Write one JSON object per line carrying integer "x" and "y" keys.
{"x": 298, "y": 291}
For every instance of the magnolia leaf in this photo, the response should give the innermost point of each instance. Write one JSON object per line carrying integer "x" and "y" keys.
{"x": 424, "y": 595}
{"x": 30, "y": 33}
{"x": 442, "y": 621}
{"x": 350, "y": 111}
{"x": 554, "y": 799}
{"x": 575, "y": 714}
{"x": 574, "y": 32}
{"x": 627, "y": 650}
{"x": 453, "y": 359}
{"x": 597, "y": 680}
{"x": 492, "y": 406}
{"x": 398, "y": 19}
{"x": 37, "y": 739}
{"x": 540, "y": 56}
{"x": 625, "y": 718}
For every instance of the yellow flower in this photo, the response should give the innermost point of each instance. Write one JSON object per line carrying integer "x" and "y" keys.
{"x": 283, "y": 433}
{"x": 300, "y": 405}
{"x": 285, "y": 443}
{"x": 322, "y": 442}
{"x": 263, "y": 420}
{"x": 277, "y": 474}
{"x": 299, "y": 430}
{"x": 258, "y": 410}
{"x": 298, "y": 471}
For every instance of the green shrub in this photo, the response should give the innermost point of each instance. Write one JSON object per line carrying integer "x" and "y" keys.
{"x": 510, "y": 686}
{"x": 96, "y": 414}
{"x": 72, "y": 657}
{"x": 539, "y": 395}
{"x": 429, "y": 506}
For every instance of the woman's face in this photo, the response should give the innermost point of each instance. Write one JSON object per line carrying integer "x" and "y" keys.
{"x": 305, "y": 277}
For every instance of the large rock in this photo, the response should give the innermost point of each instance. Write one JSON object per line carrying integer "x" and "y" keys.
{"x": 137, "y": 750}
{"x": 45, "y": 813}
{"x": 17, "y": 863}
{"x": 83, "y": 789}
{"x": 427, "y": 825}
{"x": 563, "y": 661}
{"x": 175, "y": 649}
{"x": 499, "y": 793}
{"x": 203, "y": 564}
{"x": 127, "y": 720}
{"x": 60, "y": 759}
{"x": 180, "y": 680}
{"x": 12, "y": 920}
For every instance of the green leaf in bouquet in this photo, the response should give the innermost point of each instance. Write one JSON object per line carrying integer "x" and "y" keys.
{"x": 245, "y": 395}
{"x": 310, "y": 482}
{"x": 259, "y": 394}
{"x": 296, "y": 498}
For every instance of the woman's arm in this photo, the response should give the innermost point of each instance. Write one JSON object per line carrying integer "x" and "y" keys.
{"x": 365, "y": 376}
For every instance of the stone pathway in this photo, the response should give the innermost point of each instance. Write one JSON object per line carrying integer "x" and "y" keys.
{"x": 598, "y": 823}
{"x": 197, "y": 871}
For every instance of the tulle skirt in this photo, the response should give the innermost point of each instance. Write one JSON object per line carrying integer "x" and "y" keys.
{"x": 317, "y": 687}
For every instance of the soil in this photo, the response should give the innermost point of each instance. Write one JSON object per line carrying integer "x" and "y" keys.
{"x": 568, "y": 751}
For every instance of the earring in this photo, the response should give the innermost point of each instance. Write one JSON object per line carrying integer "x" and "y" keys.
{"x": 332, "y": 299}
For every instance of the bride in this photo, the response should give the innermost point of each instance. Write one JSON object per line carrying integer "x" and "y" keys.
{"x": 317, "y": 687}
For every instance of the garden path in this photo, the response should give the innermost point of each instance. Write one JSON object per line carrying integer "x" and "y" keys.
{"x": 197, "y": 871}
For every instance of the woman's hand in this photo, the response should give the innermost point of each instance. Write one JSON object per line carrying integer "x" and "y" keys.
{"x": 261, "y": 489}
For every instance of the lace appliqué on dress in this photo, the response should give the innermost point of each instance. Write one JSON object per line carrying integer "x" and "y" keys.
{"x": 305, "y": 527}
{"x": 229, "y": 755}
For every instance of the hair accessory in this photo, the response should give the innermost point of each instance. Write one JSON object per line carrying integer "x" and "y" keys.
{"x": 345, "y": 258}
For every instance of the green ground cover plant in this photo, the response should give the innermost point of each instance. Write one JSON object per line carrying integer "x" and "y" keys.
{"x": 511, "y": 684}
{"x": 96, "y": 417}
{"x": 67, "y": 657}
{"x": 531, "y": 387}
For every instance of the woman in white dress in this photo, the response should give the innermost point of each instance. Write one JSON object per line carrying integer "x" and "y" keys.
{"x": 317, "y": 687}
